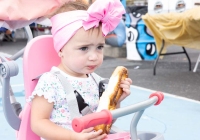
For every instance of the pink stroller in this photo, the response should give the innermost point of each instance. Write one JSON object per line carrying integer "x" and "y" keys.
{"x": 39, "y": 57}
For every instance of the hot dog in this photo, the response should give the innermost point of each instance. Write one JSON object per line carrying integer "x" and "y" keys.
{"x": 112, "y": 94}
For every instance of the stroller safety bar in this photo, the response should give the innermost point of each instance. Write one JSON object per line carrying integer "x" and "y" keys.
{"x": 7, "y": 70}
{"x": 106, "y": 116}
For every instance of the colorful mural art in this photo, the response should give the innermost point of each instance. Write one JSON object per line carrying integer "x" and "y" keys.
{"x": 123, "y": 2}
{"x": 139, "y": 41}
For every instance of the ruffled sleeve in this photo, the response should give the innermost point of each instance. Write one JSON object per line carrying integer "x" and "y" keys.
{"x": 48, "y": 86}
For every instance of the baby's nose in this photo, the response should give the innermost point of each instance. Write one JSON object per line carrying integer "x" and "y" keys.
{"x": 93, "y": 56}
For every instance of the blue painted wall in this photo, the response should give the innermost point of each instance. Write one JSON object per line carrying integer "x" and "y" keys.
{"x": 138, "y": 35}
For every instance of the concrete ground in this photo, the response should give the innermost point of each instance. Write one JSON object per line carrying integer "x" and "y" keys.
{"x": 173, "y": 75}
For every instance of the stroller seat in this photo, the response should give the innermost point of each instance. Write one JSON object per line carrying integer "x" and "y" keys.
{"x": 39, "y": 57}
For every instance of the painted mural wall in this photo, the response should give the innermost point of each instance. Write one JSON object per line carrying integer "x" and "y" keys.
{"x": 139, "y": 40}
{"x": 123, "y": 2}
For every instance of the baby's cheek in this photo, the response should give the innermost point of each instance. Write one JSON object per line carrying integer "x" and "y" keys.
{"x": 79, "y": 61}
{"x": 100, "y": 60}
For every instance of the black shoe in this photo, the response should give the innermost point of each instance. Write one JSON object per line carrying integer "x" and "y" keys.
{"x": 8, "y": 38}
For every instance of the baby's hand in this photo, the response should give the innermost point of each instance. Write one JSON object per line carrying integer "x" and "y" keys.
{"x": 90, "y": 134}
{"x": 125, "y": 85}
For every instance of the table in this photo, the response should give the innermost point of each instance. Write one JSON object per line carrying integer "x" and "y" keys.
{"x": 182, "y": 29}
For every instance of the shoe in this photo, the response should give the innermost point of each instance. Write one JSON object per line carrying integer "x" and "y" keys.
{"x": 8, "y": 37}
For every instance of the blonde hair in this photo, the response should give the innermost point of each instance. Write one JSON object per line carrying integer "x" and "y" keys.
{"x": 71, "y": 6}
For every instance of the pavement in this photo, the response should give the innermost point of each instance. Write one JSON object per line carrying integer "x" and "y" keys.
{"x": 172, "y": 76}
{"x": 172, "y": 72}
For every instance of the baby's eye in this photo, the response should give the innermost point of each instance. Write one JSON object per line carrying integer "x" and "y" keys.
{"x": 100, "y": 47}
{"x": 84, "y": 48}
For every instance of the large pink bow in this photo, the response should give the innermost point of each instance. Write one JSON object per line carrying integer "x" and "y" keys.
{"x": 65, "y": 25}
{"x": 108, "y": 12}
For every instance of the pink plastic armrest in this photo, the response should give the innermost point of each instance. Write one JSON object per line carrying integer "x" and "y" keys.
{"x": 119, "y": 136}
{"x": 103, "y": 117}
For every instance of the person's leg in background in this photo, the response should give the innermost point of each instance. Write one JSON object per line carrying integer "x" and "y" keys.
{"x": 7, "y": 34}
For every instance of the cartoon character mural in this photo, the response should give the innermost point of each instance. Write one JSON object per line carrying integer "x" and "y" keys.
{"x": 123, "y": 2}
{"x": 139, "y": 41}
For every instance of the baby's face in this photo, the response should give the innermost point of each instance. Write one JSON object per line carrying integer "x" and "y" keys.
{"x": 83, "y": 53}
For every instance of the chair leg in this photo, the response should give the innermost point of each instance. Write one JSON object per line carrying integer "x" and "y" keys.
{"x": 184, "y": 50}
{"x": 196, "y": 65}
{"x": 156, "y": 61}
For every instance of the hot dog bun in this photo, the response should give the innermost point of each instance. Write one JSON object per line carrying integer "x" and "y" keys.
{"x": 111, "y": 95}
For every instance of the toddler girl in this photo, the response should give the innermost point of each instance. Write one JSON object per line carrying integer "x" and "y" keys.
{"x": 79, "y": 37}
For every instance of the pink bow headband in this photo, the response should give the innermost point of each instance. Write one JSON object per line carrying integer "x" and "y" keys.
{"x": 65, "y": 25}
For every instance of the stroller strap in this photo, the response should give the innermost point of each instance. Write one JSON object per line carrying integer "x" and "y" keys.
{"x": 75, "y": 101}
{"x": 71, "y": 97}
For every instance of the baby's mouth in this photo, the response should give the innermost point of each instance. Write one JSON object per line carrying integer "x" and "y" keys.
{"x": 91, "y": 67}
